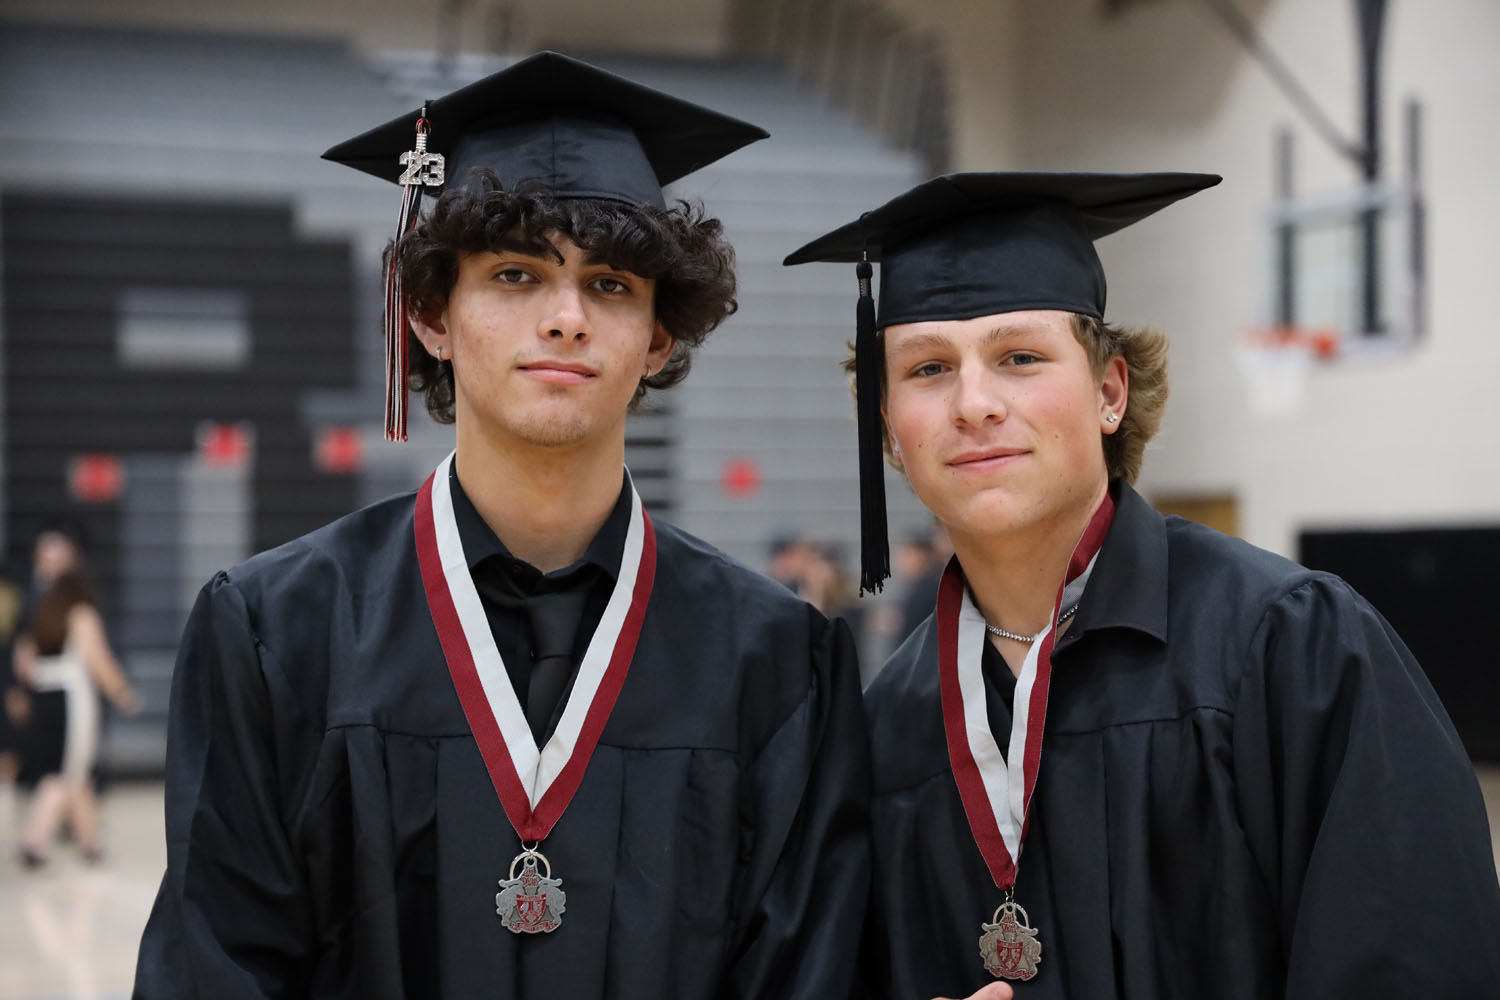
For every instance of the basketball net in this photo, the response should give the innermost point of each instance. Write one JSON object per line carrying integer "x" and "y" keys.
{"x": 1276, "y": 363}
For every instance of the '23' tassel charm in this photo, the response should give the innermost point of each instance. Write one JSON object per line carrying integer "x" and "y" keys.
{"x": 423, "y": 169}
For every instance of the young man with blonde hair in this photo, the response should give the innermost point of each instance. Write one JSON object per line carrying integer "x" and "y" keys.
{"x": 1229, "y": 777}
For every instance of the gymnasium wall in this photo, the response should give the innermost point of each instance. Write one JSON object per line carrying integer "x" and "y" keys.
{"x": 686, "y": 27}
{"x": 1162, "y": 85}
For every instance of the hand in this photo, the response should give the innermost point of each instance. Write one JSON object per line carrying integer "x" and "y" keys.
{"x": 994, "y": 991}
{"x": 127, "y": 701}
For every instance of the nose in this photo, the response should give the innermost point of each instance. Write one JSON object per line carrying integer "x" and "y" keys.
{"x": 564, "y": 318}
{"x": 977, "y": 396}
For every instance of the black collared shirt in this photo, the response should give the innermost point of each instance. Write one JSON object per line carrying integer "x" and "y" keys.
{"x": 1131, "y": 595}
{"x": 504, "y": 582}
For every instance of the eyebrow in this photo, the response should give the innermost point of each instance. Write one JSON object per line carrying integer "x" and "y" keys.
{"x": 519, "y": 248}
{"x": 920, "y": 342}
{"x": 936, "y": 341}
{"x": 594, "y": 259}
{"x": 549, "y": 254}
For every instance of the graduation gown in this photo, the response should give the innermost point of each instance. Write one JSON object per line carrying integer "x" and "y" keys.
{"x": 332, "y": 830}
{"x": 1247, "y": 789}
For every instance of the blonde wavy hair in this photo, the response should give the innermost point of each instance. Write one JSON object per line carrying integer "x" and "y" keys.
{"x": 1145, "y": 352}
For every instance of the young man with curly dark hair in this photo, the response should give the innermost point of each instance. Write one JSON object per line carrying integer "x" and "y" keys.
{"x": 507, "y": 736}
{"x": 1126, "y": 756}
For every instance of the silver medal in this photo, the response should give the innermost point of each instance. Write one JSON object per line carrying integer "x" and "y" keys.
{"x": 1009, "y": 946}
{"x": 532, "y": 903}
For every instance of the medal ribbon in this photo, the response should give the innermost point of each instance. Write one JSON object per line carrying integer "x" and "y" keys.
{"x": 535, "y": 784}
{"x": 996, "y": 791}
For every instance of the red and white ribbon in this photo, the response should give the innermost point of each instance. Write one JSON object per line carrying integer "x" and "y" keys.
{"x": 535, "y": 784}
{"x": 996, "y": 790}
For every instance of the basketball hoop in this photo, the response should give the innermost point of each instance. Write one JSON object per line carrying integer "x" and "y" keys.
{"x": 1276, "y": 362}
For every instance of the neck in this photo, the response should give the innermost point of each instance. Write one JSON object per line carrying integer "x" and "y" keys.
{"x": 1014, "y": 577}
{"x": 545, "y": 504}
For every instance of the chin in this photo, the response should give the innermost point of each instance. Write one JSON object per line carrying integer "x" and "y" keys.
{"x": 994, "y": 521}
{"x": 544, "y": 427}
{"x": 552, "y": 433}
{"x": 986, "y": 512}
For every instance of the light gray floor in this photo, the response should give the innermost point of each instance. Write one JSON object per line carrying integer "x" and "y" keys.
{"x": 71, "y": 931}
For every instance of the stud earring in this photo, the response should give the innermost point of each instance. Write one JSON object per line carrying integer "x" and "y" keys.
{"x": 1112, "y": 418}
{"x": 440, "y": 353}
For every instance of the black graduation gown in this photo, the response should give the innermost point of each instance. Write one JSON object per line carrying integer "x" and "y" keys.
{"x": 1248, "y": 789}
{"x": 332, "y": 831}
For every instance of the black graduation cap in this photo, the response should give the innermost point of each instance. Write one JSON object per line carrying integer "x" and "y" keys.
{"x": 976, "y": 244}
{"x": 582, "y": 131}
{"x": 579, "y": 131}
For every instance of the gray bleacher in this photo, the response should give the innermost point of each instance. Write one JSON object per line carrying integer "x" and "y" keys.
{"x": 198, "y": 116}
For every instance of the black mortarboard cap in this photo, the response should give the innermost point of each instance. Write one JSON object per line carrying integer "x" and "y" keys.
{"x": 581, "y": 131}
{"x": 977, "y": 244}
{"x": 548, "y": 120}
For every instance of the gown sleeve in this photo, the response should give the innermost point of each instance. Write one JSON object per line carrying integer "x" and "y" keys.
{"x": 807, "y": 875}
{"x": 232, "y": 917}
{"x": 1362, "y": 808}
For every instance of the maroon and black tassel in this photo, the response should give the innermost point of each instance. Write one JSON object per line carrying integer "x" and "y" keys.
{"x": 423, "y": 169}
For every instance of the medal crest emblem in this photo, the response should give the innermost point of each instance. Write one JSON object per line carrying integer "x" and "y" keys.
{"x": 532, "y": 903}
{"x": 1009, "y": 946}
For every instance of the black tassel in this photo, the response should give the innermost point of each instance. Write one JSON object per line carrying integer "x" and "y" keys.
{"x": 875, "y": 549}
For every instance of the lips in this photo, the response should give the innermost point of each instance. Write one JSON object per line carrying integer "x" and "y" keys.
{"x": 567, "y": 372}
{"x": 985, "y": 458}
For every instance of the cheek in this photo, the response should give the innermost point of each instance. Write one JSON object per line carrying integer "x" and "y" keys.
{"x": 909, "y": 417}
{"x": 1071, "y": 416}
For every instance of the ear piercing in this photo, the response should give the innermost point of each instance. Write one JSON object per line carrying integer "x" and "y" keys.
{"x": 1112, "y": 418}
{"x": 440, "y": 351}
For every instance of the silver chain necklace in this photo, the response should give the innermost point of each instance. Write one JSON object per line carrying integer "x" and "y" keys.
{"x": 1002, "y": 633}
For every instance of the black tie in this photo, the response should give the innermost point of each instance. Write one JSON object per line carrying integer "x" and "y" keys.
{"x": 554, "y": 618}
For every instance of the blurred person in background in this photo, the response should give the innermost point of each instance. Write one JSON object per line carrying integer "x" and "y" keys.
{"x": 1237, "y": 782}
{"x": 512, "y": 678}
{"x": 790, "y": 559}
{"x": 15, "y": 708}
{"x": 63, "y": 659}
{"x": 829, "y": 587}
{"x": 815, "y": 572}
{"x": 920, "y": 562}
{"x": 916, "y": 566}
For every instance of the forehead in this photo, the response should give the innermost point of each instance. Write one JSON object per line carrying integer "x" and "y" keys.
{"x": 517, "y": 242}
{"x": 1043, "y": 323}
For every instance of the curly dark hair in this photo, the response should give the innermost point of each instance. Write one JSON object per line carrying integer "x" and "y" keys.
{"x": 680, "y": 248}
